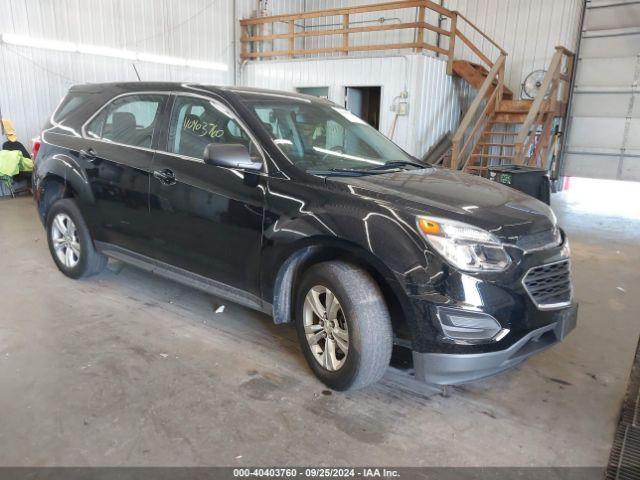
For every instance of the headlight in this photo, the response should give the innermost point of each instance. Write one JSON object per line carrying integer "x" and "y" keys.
{"x": 466, "y": 247}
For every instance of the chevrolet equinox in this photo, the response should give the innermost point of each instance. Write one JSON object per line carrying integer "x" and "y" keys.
{"x": 293, "y": 206}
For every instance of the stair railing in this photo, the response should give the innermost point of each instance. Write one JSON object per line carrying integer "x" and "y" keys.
{"x": 487, "y": 98}
{"x": 550, "y": 102}
{"x": 260, "y": 33}
{"x": 479, "y": 113}
{"x": 276, "y": 35}
{"x": 456, "y": 32}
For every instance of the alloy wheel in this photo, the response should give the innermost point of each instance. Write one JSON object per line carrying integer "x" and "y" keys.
{"x": 325, "y": 328}
{"x": 64, "y": 236}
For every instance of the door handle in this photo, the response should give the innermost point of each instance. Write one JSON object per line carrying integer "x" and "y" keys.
{"x": 165, "y": 176}
{"x": 89, "y": 154}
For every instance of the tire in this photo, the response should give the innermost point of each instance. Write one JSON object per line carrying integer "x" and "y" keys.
{"x": 67, "y": 230}
{"x": 361, "y": 309}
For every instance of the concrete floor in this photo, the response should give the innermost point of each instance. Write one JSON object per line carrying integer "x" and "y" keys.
{"x": 129, "y": 369}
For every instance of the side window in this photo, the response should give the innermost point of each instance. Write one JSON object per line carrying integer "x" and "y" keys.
{"x": 197, "y": 122}
{"x": 129, "y": 120}
{"x": 69, "y": 105}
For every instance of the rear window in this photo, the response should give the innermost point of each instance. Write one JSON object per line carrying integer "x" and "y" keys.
{"x": 70, "y": 104}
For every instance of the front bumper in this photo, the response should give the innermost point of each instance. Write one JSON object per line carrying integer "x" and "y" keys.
{"x": 452, "y": 369}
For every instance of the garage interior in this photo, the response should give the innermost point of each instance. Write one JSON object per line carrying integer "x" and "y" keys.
{"x": 129, "y": 369}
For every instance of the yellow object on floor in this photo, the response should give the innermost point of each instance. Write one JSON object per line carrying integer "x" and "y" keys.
{"x": 8, "y": 129}
{"x": 12, "y": 162}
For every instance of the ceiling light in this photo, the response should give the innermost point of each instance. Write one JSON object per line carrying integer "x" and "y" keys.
{"x": 153, "y": 58}
{"x": 26, "y": 41}
{"x": 107, "y": 52}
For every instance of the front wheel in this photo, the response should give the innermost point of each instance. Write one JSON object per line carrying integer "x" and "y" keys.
{"x": 343, "y": 325}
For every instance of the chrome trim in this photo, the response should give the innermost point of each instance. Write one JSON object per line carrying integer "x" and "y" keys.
{"x": 550, "y": 306}
{"x": 548, "y": 246}
{"x": 501, "y": 334}
{"x": 118, "y": 144}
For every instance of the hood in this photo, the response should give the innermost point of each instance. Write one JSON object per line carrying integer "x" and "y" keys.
{"x": 504, "y": 211}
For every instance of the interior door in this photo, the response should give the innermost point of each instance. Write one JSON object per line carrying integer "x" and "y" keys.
{"x": 119, "y": 155}
{"x": 206, "y": 219}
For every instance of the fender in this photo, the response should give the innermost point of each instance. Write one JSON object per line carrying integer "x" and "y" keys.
{"x": 348, "y": 227}
{"x": 65, "y": 169}
{"x": 380, "y": 234}
{"x": 70, "y": 168}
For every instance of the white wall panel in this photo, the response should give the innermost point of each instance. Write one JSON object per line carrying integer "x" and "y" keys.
{"x": 32, "y": 81}
{"x": 434, "y": 108}
{"x": 527, "y": 29}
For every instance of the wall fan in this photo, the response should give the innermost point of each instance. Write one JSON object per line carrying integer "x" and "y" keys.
{"x": 533, "y": 83}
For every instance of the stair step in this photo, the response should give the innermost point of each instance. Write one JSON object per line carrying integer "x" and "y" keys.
{"x": 515, "y": 106}
{"x": 510, "y": 118}
{"x": 476, "y": 167}
{"x": 497, "y": 144}
{"x": 474, "y": 74}
{"x": 499, "y": 133}
{"x": 486, "y": 155}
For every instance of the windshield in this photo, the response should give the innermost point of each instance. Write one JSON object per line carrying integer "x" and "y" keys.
{"x": 319, "y": 137}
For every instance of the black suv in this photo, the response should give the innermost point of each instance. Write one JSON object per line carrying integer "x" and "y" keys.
{"x": 294, "y": 206}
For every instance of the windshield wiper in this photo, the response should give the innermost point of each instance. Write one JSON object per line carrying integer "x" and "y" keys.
{"x": 355, "y": 171}
{"x": 398, "y": 163}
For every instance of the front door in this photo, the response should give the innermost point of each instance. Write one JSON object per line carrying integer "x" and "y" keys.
{"x": 206, "y": 219}
{"x": 119, "y": 154}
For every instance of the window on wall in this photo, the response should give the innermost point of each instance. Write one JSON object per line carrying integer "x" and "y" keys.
{"x": 197, "y": 122}
{"x": 321, "y": 92}
{"x": 129, "y": 120}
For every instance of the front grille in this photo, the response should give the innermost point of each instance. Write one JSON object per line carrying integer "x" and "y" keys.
{"x": 549, "y": 286}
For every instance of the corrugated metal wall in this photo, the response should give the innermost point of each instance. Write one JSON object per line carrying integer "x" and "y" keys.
{"x": 434, "y": 107}
{"x": 527, "y": 29}
{"x": 32, "y": 81}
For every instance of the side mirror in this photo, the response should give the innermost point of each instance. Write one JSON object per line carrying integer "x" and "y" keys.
{"x": 230, "y": 155}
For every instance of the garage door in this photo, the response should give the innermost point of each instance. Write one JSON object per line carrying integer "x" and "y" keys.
{"x": 604, "y": 131}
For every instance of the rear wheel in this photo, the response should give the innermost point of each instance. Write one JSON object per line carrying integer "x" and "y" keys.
{"x": 70, "y": 243}
{"x": 343, "y": 325}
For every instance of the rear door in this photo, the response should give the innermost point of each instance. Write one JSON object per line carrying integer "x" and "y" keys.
{"x": 120, "y": 150}
{"x": 207, "y": 219}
